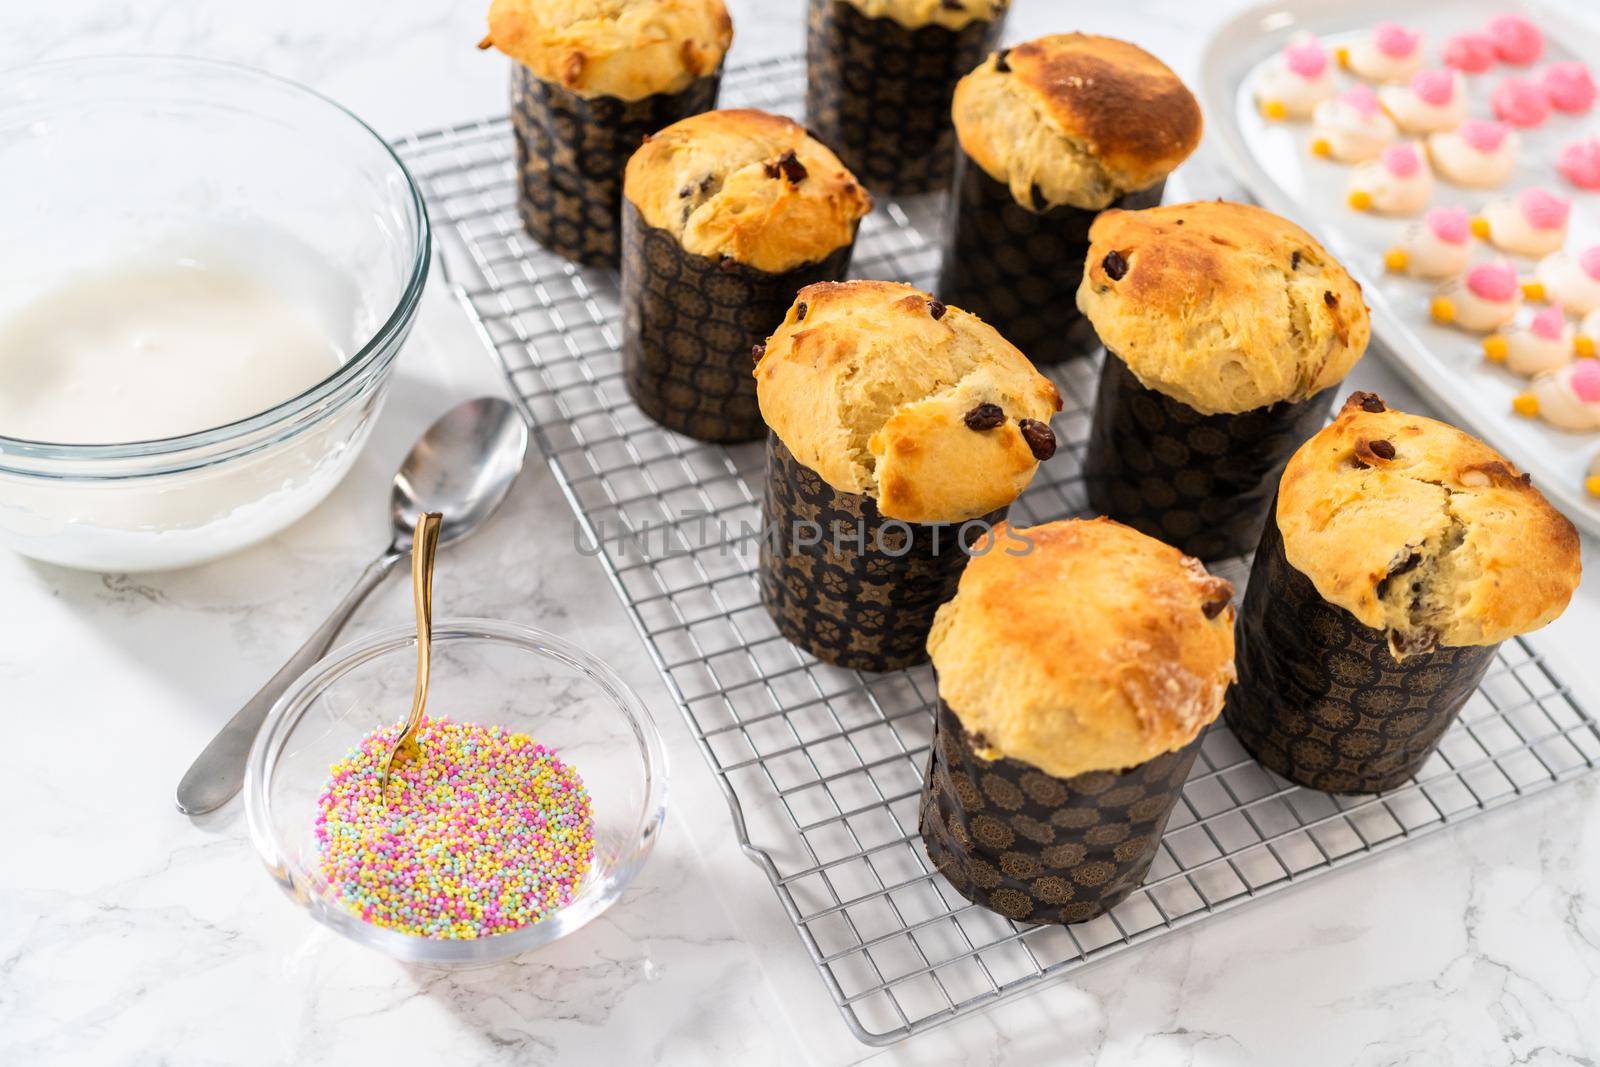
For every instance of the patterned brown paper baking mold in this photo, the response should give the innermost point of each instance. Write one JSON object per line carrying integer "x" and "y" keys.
{"x": 571, "y": 152}
{"x": 1019, "y": 269}
{"x": 878, "y": 94}
{"x": 1201, "y": 483}
{"x": 1041, "y": 849}
{"x": 689, "y": 323}
{"x": 842, "y": 582}
{"x": 1321, "y": 700}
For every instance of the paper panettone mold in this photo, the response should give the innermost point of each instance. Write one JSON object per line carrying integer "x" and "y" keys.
{"x": 571, "y": 153}
{"x": 878, "y": 93}
{"x": 1019, "y": 268}
{"x": 847, "y": 585}
{"x": 1037, "y": 848}
{"x": 1321, "y": 699}
{"x": 1202, "y": 483}
{"x": 689, "y": 323}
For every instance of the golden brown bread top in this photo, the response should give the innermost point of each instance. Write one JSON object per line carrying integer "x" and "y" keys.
{"x": 747, "y": 185}
{"x": 1094, "y": 648}
{"x": 1222, "y": 306}
{"x": 1423, "y": 531}
{"x": 628, "y": 49}
{"x": 1075, "y": 119}
{"x": 871, "y": 385}
{"x": 951, "y": 14}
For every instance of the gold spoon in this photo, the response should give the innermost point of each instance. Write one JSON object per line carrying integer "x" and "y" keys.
{"x": 424, "y": 543}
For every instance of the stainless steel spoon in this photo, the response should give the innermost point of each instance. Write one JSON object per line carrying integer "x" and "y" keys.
{"x": 463, "y": 466}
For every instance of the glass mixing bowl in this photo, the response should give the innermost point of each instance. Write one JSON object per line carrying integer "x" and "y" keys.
{"x": 493, "y": 673}
{"x": 160, "y": 159}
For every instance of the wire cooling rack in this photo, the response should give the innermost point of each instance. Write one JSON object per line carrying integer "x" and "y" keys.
{"x": 823, "y": 767}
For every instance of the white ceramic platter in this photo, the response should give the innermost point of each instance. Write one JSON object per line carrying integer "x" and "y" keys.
{"x": 1274, "y": 162}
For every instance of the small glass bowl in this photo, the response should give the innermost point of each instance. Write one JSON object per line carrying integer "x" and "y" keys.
{"x": 493, "y": 673}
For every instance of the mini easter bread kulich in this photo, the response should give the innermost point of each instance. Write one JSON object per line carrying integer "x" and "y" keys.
{"x": 1051, "y": 132}
{"x": 879, "y": 76}
{"x": 900, "y": 428}
{"x": 592, "y": 78}
{"x": 726, "y": 216}
{"x": 1076, "y": 675}
{"x": 1223, "y": 324}
{"x": 1402, "y": 551}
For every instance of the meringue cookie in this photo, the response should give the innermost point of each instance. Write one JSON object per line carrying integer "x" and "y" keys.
{"x": 1572, "y": 283}
{"x": 1470, "y": 52}
{"x": 1431, "y": 100}
{"x": 1520, "y": 102}
{"x": 1436, "y": 247}
{"x": 1296, "y": 81}
{"x": 1478, "y": 153}
{"x": 1351, "y": 127}
{"x": 1579, "y": 162}
{"x": 1516, "y": 39}
{"x": 1485, "y": 299}
{"x": 1390, "y": 53}
{"x": 1533, "y": 223}
{"x": 1542, "y": 346}
{"x": 1567, "y": 398}
{"x": 1568, "y": 87}
{"x": 1398, "y": 182}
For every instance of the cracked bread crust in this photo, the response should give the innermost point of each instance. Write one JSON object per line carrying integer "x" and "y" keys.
{"x": 913, "y": 14}
{"x": 1423, "y": 531}
{"x": 747, "y": 185}
{"x": 1224, "y": 307}
{"x": 629, "y": 49}
{"x": 1097, "y": 648}
{"x": 870, "y": 385}
{"x": 1075, "y": 119}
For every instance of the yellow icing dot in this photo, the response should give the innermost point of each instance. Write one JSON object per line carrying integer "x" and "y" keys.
{"x": 1480, "y": 227}
{"x": 1396, "y": 259}
{"x": 1274, "y": 109}
{"x": 1533, "y": 291}
{"x": 1495, "y": 348}
{"x": 1443, "y": 309}
{"x": 1360, "y": 200}
{"x": 1592, "y": 483}
{"x": 1342, "y": 54}
{"x": 1321, "y": 147}
{"x": 1525, "y": 404}
{"x": 1583, "y": 346}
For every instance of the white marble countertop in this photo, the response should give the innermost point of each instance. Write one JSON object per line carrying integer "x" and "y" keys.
{"x": 129, "y": 934}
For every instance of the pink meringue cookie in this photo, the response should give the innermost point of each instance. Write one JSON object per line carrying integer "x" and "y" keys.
{"x": 1589, "y": 260}
{"x": 1569, "y": 87}
{"x": 1470, "y": 52}
{"x": 1549, "y": 324}
{"x": 1394, "y": 40}
{"x": 1585, "y": 381}
{"x": 1483, "y": 135}
{"x": 1452, "y": 225}
{"x": 1495, "y": 282}
{"x": 1516, "y": 39}
{"x": 1520, "y": 102}
{"x": 1436, "y": 87}
{"x": 1306, "y": 58}
{"x": 1402, "y": 160}
{"x": 1579, "y": 162}
{"x": 1543, "y": 209}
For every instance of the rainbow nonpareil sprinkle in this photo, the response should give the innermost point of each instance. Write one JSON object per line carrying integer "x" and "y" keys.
{"x": 486, "y": 833}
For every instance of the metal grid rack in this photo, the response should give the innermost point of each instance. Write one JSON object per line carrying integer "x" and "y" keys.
{"x": 823, "y": 767}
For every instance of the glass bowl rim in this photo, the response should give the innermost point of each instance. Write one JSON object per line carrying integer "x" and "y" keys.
{"x": 353, "y": 368}
{"x": 295, "y": 879}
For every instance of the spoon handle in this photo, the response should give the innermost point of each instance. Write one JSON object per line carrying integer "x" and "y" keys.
{"x": 218, "y": 772}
